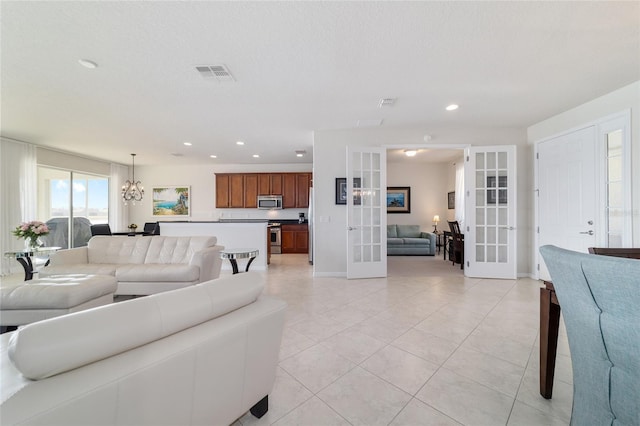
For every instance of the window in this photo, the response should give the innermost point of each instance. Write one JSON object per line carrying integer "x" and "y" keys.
{"x": 64, "y": 195}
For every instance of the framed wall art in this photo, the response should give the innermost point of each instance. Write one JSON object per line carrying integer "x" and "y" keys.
{"x": 399, "y": 199}
{"x": 451, "y": 200}
{"x": 341, "y": 191}
{"x": 171, "y": 201}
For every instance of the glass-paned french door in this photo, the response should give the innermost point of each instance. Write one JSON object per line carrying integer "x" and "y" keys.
{"x": 366, "y": 213}
{"x": 490, "y": 231}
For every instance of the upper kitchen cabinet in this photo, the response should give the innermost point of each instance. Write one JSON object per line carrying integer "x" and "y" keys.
{"x": 241, "y": 190}
{"x": 223, "y": 199}
{"x": 269, "y": 184}
{"x": 251, "y": 191}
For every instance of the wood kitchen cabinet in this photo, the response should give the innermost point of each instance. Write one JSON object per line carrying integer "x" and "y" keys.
{"x": 295, "y": 238}
{"x": 223, "y": 198}
{"x": 251, "y": 191}
{"x": 241, "y": 190}
{"x": 270, "y": 184}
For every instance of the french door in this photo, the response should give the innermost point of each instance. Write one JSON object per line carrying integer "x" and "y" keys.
{"x": 490, "y": 245}
{"x": 366, "y": 212}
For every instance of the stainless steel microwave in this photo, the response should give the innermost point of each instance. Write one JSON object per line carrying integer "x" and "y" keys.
{"x": 269, "y": 202}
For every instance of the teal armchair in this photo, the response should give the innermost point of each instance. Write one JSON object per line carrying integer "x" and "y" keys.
{"x": 600, "y": 299}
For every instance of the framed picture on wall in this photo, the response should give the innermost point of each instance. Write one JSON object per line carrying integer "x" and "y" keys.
{"x": 341, "y": 191}
{"x": 399, "y": 199}
{"x": 171, "y": 201}
{"x": 451, "y": 200}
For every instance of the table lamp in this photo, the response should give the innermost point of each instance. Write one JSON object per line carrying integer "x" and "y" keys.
{"x": 436, "y": 219}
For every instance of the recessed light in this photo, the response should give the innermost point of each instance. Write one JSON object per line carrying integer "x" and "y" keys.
{"x": 410, "y": 152}
{"x": 300, "y": 153}
{"x": 256, "y": 156}
{"x": 239, "y": 143}
{"x": 87, "y": 63}
{"x": 187, "y": 144}
{"x": 452, "y": 107}
{"x": 213, "y": 156}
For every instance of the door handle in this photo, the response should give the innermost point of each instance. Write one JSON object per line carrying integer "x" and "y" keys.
{"x": 587, "y": 232}
{"x": 510, "y": 228}
{"x": 351, "y": 228}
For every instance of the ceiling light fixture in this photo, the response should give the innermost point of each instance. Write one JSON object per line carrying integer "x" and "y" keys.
{"x": 452, "y": 107}
{"x": 132, "y": 190}
{"x": 410, "y": 152}
{"x": 87, "y": 63}
{"x": 300, "y": 153}
{"x": 239, "y": 143}
{"x": 187, "y": 144}
{"x": 213, "y": 156}
{"x": 256, "y": 156}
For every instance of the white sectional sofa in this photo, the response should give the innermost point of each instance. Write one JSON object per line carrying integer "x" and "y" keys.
{"x": 201, "y": 355}
{"x": 142, "y": 265}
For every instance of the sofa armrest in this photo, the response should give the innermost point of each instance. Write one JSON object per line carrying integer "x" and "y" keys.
{"x": 209, "y": 262}
{"x": 70, "y": 256}
{"x": 430, "y": 236}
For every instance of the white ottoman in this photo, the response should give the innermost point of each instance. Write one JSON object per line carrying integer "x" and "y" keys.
{"x": 39, "y": 299}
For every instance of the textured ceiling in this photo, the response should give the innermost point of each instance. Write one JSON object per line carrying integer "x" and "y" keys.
{"x": 299, "y": 67}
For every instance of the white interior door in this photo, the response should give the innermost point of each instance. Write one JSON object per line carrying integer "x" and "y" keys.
{"x": 366, "y": 213}
{"x": 567, "y": 193}
{"x": 490, "y": 240}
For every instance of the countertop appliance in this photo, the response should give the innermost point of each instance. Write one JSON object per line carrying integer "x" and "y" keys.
{"x": 269, "y": 202}
{"x": 275, "y": 234}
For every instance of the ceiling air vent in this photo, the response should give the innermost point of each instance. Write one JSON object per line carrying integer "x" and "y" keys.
{"x": 215, "y": 72}
{"x": 384, "y": 102}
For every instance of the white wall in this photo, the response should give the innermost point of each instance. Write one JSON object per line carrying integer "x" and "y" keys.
{"x": 627, "y": 97}
{"x": 201, "y": 179}
{"x": 329, "y": 154}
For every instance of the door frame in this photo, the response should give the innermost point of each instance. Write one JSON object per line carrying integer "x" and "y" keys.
{"x": 599, "y": 169}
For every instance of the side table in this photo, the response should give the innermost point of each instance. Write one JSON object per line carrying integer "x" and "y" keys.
{"x": 24, "y": 258}
{"x": 241, "y": 253}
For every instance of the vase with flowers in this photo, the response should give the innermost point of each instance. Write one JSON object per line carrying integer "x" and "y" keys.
{"x": 31, "y": 232}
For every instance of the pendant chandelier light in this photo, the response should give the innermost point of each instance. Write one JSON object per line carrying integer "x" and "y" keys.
{"x": 132, "y": 190}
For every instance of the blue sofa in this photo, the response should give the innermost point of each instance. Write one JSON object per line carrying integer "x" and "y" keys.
{"x": 407, "y": 240}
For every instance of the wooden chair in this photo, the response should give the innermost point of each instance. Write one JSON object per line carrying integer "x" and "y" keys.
{"x": 456, "y": 244}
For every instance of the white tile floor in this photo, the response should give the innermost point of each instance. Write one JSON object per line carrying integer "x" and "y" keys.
{"x": 425, "y": 346}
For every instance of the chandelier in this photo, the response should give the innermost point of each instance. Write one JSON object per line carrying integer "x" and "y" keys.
{"x": 132, "y": 190}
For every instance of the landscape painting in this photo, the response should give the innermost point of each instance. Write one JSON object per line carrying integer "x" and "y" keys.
{"x": 399, "y": 199}
{"x": 171, "y": 201}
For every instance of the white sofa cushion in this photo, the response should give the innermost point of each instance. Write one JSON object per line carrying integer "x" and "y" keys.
{"x": 180, "y": 272}
{"x": 118, "y": 250}
{"x": 176, "y": 249}
{"x": 53, "y": 346}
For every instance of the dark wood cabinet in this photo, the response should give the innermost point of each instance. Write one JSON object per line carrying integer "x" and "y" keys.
{"x": 241, "y": 190}
{"x": 251, "y": 191}
{"x": 223, "y": 198}
{"x": 236, "y": 191}
{"x": 289, "y": 190}
{"x": 295, "y": 238}
{"x": 303, "y": 181}
{"x": 270, "y": 184}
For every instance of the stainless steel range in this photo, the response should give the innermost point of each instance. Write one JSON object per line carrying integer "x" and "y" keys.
{"x": 276, "y": 237}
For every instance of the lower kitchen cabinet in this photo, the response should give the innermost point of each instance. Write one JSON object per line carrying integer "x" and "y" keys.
{"x": 295, "y": 238}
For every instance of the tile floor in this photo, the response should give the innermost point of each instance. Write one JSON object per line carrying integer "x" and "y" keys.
{"x": 425, "y": 346}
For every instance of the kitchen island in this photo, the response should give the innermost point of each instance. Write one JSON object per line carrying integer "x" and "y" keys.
{"x": 246, "y": 233}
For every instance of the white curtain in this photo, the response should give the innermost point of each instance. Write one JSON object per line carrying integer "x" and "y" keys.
{"x": 118, "y": 212}
{"x": 18, "y": 195}
{"x": 460, "y": 194}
